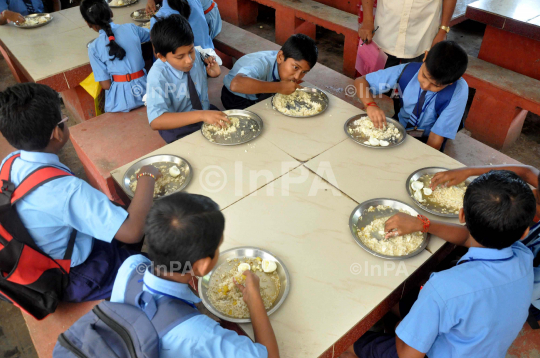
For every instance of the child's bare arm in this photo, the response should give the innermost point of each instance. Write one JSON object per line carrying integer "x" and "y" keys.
{"x": 105, "y": 84}
{"x": 248, "y": 85}
{"x": 406, "y": 351}
{"x": 435, "y": 141}
{"x": 132, "y": 229}
{"x": 453, "y": 177}
{"x": 176, "y": 120}
{"x": 264, "y": 334}
{"x": 374, "y": 113}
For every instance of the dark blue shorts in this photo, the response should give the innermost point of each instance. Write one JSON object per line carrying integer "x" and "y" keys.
{"x": 94, "y": 278}
{"x": 376, "y": 345}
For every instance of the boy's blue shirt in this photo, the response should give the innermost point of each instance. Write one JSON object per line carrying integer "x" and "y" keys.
{"x": 167, "y": 89}
{"x": 446, "y": 125}
{"x": 122, "y": 96}
{"x": 19, "y": 6}
{"x": 54, "y": 209}
{"x": 197, "y": 20}
{"x": 258, "y": 65}
{"x": 475, "y": 309}
{"x": 534, "y": 246}
{"x": 199, "y": 336}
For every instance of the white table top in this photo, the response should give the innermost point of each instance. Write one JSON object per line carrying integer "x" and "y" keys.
{"x": 58, "y": 46}
{"x": 225, "y": 173}
{"x": 521, "y": 10}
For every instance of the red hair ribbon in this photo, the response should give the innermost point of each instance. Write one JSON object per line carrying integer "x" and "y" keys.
{"x": 111, "y": 38}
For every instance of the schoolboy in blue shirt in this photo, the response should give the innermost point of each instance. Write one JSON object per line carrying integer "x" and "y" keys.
{"x": 177, "y": 93}
{"x": 193, "y": 11}
{"x": 478, "y": 307}
{"x": 116, "y": 57}
{"x": 31, "y": 121}
{"x": 183, "y": 234}
{"x": 433, "y": 94}
{"x": 15, "y": 10}
{"x": 257, "y": 76}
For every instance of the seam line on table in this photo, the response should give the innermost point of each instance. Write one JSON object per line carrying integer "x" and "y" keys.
{"x": 341, "y": 191}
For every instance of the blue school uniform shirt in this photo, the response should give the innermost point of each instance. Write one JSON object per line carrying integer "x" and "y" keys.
{"x": 448, "y": 122}
{"x": 258, "y": 65}
{"x": 475, "y": 309}
{"x": 198, "y": 23}
{"x": 53, "y": 210}
{"x": 213, "y": 17}
{"x": 167, "y": 89}
{"x": 198, "y": 336}
{"x": 121, "y": 96}
{"x": 20, "y": 7}
{"x": 533, "y": 243}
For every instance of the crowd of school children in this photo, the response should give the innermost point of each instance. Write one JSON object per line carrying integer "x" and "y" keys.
{"x": 476, "y": 308}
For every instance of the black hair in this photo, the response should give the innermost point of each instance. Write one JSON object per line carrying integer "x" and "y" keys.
{"x": 98, "y": 12}
{"x": 182, "y": 6}
{"x": 301, "y": 47}
{"x": 170, "y": 33}
{"x": 499, "y": 206}
{"x": 182, "y": 228}
{"x": 29, "y": 112}
{"x": 446, "y": 62}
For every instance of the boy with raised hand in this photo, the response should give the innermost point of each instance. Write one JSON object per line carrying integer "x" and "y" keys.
{"x": 259, "y": 75}
{"x": 183, "y": 234}
{"x": 478, "y": 307}
{"x": 31, "y": 121}
{"x": 433, "y": 94}
{"x": 177, "y": 91}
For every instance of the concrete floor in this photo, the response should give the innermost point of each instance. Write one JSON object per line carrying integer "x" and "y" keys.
{"x": 14, "y": 338}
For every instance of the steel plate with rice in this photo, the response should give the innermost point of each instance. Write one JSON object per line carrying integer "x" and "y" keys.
{"x": 442, "y": 201}
{"x": 35, "y": 20}
{"x": 367, "y": 220}
{"x": 245, "y": 126}
{"x": 141, "y": 15}
{"x": 303, "y": 103}
{"x": 122, "y": 3}
{"x": 223, "y": 299}
{"x": 360, "y": 129}
{"x": 176, "y": 175}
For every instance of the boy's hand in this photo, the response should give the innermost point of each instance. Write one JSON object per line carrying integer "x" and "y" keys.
{"x": 14, "y": 17}
{"x": 402, "y": 224}
{"x": 216, "y": 118}
{"x": 251, "y": 292}
{"x": 365, "y": 31}
{"x": 151, "y": 170}
{"x": 377, "y": 116}
{"x": 212, "y": 67}
{"x": 288, "y": 87}
{"x": 449, "y": 178}
{"x": 150, "y": 7}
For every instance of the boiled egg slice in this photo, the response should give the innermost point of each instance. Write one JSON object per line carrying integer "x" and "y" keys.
{"x": 417, "y": 185}
{"x": 244, "y": 266}
{"x": 269, "y": 266}
{"x": 174, "y": 171}
{"x": 418, "y": 196}
{"x": 428, "y": 191}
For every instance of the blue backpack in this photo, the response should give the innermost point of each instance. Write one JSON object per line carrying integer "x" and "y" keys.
{"x": 124, "y": 330}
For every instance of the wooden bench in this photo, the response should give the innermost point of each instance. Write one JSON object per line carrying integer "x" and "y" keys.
{"x": 235, "y": 42}
{"x": 500, "y": 104}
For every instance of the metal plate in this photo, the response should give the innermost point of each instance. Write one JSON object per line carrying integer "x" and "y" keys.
{"x": 145, "y": 25}
{"x": 316, "y": 96}
{"x": 429, "y": 207}
{"x": 48, "y": 17}
{"x": 143, "y": 16}
{"x": 360, "y": 217}
{"x": 362, "y": 139}
{"x": 247, "y": 119}
{"x": 164, "y": 158}
{"x": 239, "y": 253}
{"x": 125, "y": 3}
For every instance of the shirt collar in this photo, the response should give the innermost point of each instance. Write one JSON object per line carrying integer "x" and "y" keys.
{"x": 176, "y": 73}
{"x": 170, "y": 288}
{"x": 485, "y": 254}
{"x": 275, "y": 71}
{"x": 113, "y": 26}
{"x": 42, "y": 158}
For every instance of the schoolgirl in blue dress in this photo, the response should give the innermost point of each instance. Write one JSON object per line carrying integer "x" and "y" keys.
{"x": 116, "y": 57}
{"x": 213, "y": 17}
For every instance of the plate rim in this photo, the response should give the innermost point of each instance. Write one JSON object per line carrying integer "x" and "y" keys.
{"x": 407, "y": 187}
{"x": 113, "y": 7}
{"x": 247, "y": 141}
{"x": 130, "y": 193}
{"x": 312, "y": 115}
{"x": 419, "y": 250}
{"x": 245, "y": 320}
{"x": 393, "y": 121}
{"x": 38, "y": 25}
{"x": 135, "y": 19}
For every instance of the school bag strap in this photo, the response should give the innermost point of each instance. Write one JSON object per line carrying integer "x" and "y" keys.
{"x": 443, "y": 97}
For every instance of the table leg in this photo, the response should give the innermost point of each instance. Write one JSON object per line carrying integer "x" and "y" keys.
{"x": 80, "y": 103}
{"x": 239, "y": 12}
{"x": 15, "y": 71}
{"x": 509, "y": 50}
